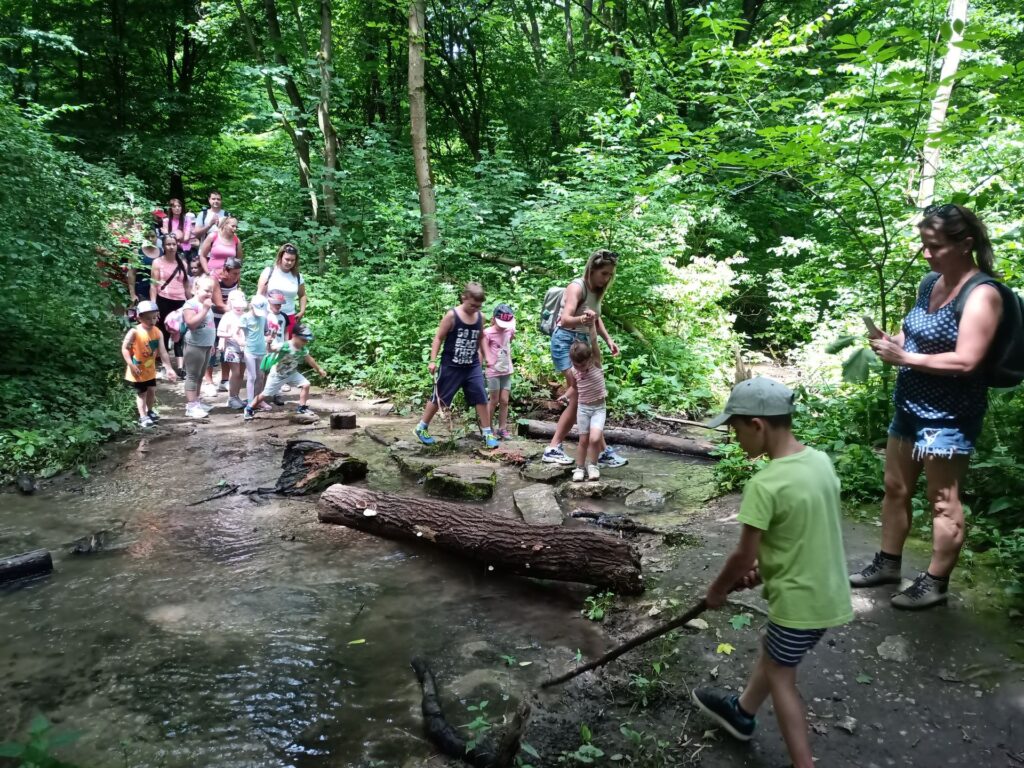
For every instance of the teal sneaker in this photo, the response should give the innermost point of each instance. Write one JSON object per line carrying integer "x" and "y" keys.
{"x": 490, "y": 440}
{"x": 423, "y": 435}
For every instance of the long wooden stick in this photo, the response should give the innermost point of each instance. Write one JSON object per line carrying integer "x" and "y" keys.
{"x": 629, "y": 645}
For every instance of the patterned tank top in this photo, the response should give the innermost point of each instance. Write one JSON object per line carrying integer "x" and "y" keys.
{"x": 590, "y": 385}
{"x": 462, "y": 344}
{"x": 925, "y": 395}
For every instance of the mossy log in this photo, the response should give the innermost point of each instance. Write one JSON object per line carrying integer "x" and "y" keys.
{"x": 509, "y": 546}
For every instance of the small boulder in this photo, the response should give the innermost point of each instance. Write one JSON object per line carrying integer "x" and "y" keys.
{"x": 539, "y": 472}
{"x": 26, "y": 483}
{"x": 646, "y": 499}
{"x": 411, "y": 462}
{"x": 538, "y": 505}
{"x": 597, "y": 489}
{"x": 468, "y": 482}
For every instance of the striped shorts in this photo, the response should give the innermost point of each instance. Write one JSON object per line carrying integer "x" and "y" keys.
{"x": 787, "y": 647}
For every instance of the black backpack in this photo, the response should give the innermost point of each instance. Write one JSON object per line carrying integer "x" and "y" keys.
{"x": 1004, "y": 364}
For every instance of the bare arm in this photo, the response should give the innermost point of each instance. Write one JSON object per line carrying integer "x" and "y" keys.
{"x": 594, "y": 345}
{"x": 204, "y": 253}
{"x": 198, "y": 317}
{"x": 302, "y": 301}
{"x": 314, "y": 365}
{"x": 131, "y": 284}
{"x": 218, "y": 300}
{"x": 154, "y": 282}
{"x": 442, "y": 330}
{"x": 977, "y": 328}
{"x": 261, "y": 286}
{"x": 737, "y": 566}
{"x": 126, "y": 352}
{"x": 485, "y": 350}
{"x": 238, "y": 248}
{"x": 171, "y": 375}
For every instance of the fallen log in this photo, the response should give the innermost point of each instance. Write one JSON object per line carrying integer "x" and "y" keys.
{"x": 510, "y": 546}
{"x": 309, "y": 466}
{"x": 34, "y": 563}
{"x": 636, "y": 438}
{"x": 483, "y": 754}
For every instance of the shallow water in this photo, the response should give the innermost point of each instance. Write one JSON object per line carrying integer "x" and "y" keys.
{"x": 243, "y": 634}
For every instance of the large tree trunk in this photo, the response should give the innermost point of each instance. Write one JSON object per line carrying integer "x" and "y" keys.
{"x": 511, "y": 546}
{"x": 418, "y": 120}
{"x": 323, "y": 116}
{"x": 931, "y": 156}
{"x": 636, "y": 438}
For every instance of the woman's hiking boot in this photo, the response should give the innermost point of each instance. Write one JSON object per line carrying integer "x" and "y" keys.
{"x": 881, "y": 570}
{"x": 925, "y": 592}
{"x": 611, "y": 459}
{"x": 724, "y": 708}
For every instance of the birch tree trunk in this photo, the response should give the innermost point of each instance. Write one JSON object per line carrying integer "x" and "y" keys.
{"x": 418, "y": 120}
{"x": 932, "y": 159}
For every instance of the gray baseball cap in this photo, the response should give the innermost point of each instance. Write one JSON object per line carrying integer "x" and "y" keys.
{"x": 759, "y": 396}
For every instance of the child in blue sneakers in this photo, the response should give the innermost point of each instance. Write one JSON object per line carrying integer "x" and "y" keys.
{"x": 792, "y": 542}
{"x": 461, "y": 331}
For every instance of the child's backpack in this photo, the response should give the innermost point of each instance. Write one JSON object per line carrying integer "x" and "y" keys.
{"x": 1004, "y": 363}
{"x": 173, "y": 323}
{"x": 551, "y": 308}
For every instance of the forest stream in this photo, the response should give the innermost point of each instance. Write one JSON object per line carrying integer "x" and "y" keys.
{"x": 241, "y": 632}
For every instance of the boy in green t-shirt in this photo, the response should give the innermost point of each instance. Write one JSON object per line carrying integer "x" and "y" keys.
{"x": 792, "y": 542}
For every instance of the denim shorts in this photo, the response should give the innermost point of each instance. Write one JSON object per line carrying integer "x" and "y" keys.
{"x": 787, "y": 647}
{"x": 561, "y": 340}
{"x": 932, "y": 437}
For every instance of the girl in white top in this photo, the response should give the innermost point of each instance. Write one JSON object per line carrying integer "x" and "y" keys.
{"x": 284, "y": 276}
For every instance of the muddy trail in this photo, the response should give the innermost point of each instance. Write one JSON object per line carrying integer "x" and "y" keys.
{"x": 243, "y": 632}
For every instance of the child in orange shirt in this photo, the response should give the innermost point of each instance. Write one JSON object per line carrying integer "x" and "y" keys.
{"x": 139, "y": 350}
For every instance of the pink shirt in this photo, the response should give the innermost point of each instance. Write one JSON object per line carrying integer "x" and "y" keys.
{"x": 220, "y": 251}
{"x": 175, "y": 289}
{"x": 182, "y": 227}
{"x": 590, "y": 384}
{"x": 497, "y": 351}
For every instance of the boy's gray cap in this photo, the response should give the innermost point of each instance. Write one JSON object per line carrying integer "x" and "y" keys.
{"x": 759, "y": 396}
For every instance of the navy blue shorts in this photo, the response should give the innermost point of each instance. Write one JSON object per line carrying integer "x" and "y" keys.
{"x": 469, "y": 379}
{"x": 787, "y": 647}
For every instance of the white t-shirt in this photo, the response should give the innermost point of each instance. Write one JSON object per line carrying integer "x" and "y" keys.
{"x": 286, "y": 283}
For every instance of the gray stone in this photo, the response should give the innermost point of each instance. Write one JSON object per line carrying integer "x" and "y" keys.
{"x": 469, "y": 482}
{"x": 539, "y": 472}
{"x": 538, "y": 505}
{"x": 895, "y": 648}
{"x": 410, "y": 461}
{"x": 597, "y": 489}
{"x": 646, "y": 499}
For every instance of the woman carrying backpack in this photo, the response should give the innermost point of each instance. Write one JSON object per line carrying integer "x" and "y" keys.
{"x": 283, "y": 275}
{"x": 168, "y": 287}
{"x": 581, "y": 306}
{"x": 220, "y": 246}
{"x": 941, "y": 396}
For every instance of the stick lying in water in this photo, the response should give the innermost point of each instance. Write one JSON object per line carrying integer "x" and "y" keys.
{"x": 629, "y": 645}
{"x": 226, "y": 491}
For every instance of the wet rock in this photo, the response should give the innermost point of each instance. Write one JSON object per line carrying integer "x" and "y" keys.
{"x": 26, "y": 483}
{"x": 895, "y": 648}
{"x": 310, "y": 467}
{"x": 412, "y": 462}
{"x": 538, "y": 505}
{"x": 517, "y": 452}
{"x": 646, "y": 499}
{"x": 539, "y": 472}
{"x": 99, "y": 541}
{"x": 468, "y": 482}
{"x": 597, "y": 489}
{"x": 303, "y": 418}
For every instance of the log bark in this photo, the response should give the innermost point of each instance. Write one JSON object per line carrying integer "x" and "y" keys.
{"x": 344, "y": 420}
{"x": 309, "y": 466}
{"x": 636, "y": 438}
{"x": 510, "y": 546}
{"x": 33, "y": 563}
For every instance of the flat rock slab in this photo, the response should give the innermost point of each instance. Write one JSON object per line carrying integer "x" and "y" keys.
{"x": 597, "y": 489}
{"x": 539, "y": 472}
{"x": 517, "y": 452}
{"x": 646, "y": 499}
{"x": 468, "y": 482}
{"x": 538, "y": 505}
{"x": 412, "y": 462}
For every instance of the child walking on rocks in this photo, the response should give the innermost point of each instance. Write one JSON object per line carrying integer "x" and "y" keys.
{"x": 497, "y": 340}
{"x": 792, "y": 542}
{"x": 141, "y": 346}
{"x": 461, "y": 331}
{"x": 592, "y": 406}
{"x": 285, "y": 371}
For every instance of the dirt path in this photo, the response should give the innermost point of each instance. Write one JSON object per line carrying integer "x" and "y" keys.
{"x": 942, "y": 688}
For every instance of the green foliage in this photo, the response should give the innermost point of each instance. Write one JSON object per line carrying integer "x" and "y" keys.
{"x": 595, "y": 607}
{"x": 479, "y": 725}
{"x": 37, "y": 750}
{"x": 586, "y": 753}
{"x": 59, "y": 391}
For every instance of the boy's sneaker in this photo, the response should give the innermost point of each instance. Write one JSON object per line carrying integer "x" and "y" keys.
{"x": 153, "y": 416}
{"x": 277, "y": 400}
{"x": 248, "y": 414}
{"x": 723, "y": 708}
{"x": 881, "y": 570}
{"x": 424, "y": 435}
{"x": 593, "y": 473}
{"x": 556, "y": 456}
{"x": 610, "y": 458}
{"x": 236, "y": 403}
{"x": 579, "y": 475}
{"x": 265, "y": 406}
{"x": 303, "y": 409}
{"x": 146, "y": 423}
{"x": 925, "y": 592}
{"x": 503, "y": 434}
{"x": 491, "y": 440}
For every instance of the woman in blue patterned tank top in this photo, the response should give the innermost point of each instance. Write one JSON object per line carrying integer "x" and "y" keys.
{"x": 940, "y": 401}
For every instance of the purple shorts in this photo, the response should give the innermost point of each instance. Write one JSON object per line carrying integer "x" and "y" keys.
{"x": 469, "y": 379}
